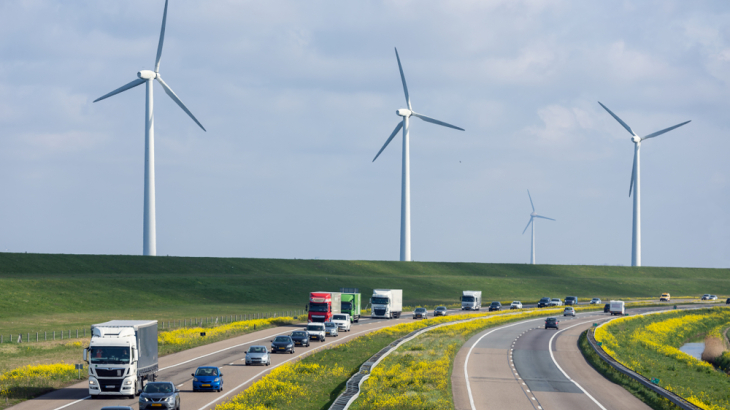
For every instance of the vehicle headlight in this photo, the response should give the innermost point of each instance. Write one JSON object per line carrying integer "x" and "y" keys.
{"x": 92, "y": 382}
{"x": 217, "y": 379}
{"x": 142, "y": 398}
{"x": 127, "y": 382}
{"x": 289, "y": 345}
{"x": 171, "y": 399}
{"x": 195, "y": 379}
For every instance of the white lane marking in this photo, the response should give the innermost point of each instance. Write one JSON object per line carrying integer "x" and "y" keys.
{"x": 74, "y": 402}
{"x": 181, "y": 385}
{"x": 552, "y": 356}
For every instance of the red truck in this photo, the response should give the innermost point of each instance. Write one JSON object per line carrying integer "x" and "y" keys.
{"x": 322, "y": 305}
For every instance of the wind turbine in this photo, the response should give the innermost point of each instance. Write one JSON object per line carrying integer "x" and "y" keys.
{"x": 636, "y": 184}
{"x": 533, "y": 215}
{"x": 405, "y": 212}
{"x": 149, "y": 246}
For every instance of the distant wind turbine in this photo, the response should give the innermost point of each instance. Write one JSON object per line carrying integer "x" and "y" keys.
{"x": 533, "y": 215}
{"x": 405, "y": 213}
{"x": 636, "y": 184}
{"x": 149, "y": 246}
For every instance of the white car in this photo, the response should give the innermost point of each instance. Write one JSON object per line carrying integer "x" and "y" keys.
{"x": 555, "y": 302}
{"x": 595, "y": 301}
{"x": 516, "y": 305}
{"x": 569, "y": 311}
{"x": 331, "y": 329}
{"x": 342, "y": 320}
{"x": 712, "y": 297}
{"x": 316, "y": 331}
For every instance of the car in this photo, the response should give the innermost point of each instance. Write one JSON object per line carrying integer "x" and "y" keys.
{"x": 595, "y": 301}
{"x": 727, "y": 302}
{"x": 343, "y": 321}
{"x": 495, "y": 306}
{"x": 282, "y": 344}
{"x": 257, "y": 355}
{"x": 316, "y": 331}
{"x": 665, "y": 297}
{"x": 607, "y": 308}
{"x": 208, "y": 378}
{"x": 516, "y": 305}
{"x": 569, "y": 311}
{"x": 706, "y": 296}
{"x": 712, "y": 297}
{"x": 555, "y": 302}
{"x": 300, "y": 337}
{"x": 440, "y": 311}
{"x": 420, "y": 313}
{"x": 331, "y": 329}
{"x": 571, "y": 300}
{"x": 551, "y": 322}
{"x": 544, "y": 302}
{"x": 159, "y": 395}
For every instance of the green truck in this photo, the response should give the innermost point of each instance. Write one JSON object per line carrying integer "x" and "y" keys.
{"x": 351, "y": 303}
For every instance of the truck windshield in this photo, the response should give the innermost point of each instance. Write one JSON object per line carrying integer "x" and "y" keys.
{"x": 346, "y": 306}
{"x": 109, "y": 355}
{"x": 467, "y": 298}
{"x": 379, "y": 301}
{"x": 318, "y": 307}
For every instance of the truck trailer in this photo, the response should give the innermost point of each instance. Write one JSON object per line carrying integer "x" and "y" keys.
{"x": 616, "y": 307}
{"x": 471, "y": 300}
{"x": 322, "y": 305}
{"x": 351, "y": 305}
{"x": 122, "y": 355}
{"x": 386, "y": 303}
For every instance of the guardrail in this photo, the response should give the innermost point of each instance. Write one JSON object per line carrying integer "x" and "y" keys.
{"x": 677, "y": 400}
{"x": 212, "y": 321}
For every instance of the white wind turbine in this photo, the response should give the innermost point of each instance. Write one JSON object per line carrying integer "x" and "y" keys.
{"x": 149, "y": 246}
{"x": 533, "y": 215}
{"x": 636, "y": 184}
{"x": 405, "y": 213}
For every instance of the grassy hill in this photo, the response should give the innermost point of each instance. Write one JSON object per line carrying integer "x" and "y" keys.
{"x": 49, "y": 292}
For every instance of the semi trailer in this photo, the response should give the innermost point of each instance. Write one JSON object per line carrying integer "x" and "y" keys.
{"x": 386, "y": 303}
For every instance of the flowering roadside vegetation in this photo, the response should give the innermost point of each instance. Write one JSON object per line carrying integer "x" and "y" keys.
{"x": 30, "y": 381}
{"x": 649, "y": 345}
{"x": 182, "y": 339}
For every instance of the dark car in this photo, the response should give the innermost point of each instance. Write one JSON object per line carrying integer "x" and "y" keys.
{"x": 159, "y": 395}
{"x": 440, "y": 311}
{"x": 571, "y": 300}
{"x": 544, "y": 302}
{"x": 300, "y": 337}
{"x": 727, "y": 302}
{"x": 282, "y": 344}
{"x": 207, "y": 378}
{"x": 551, "y": 323}
{"x": 607, "y": 308}
{"x": 495, "y": 306}
{"x": 420, "y": 313}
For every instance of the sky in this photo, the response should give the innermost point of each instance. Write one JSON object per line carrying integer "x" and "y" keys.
{"x": 298, "y": 97}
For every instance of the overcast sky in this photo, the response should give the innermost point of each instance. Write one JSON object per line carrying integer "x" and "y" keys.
{"x": 299, "y": 96}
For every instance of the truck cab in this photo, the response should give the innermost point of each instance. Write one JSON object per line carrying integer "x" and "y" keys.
{"x": 471, "y": 300}
{"x": 386, "y": 303}
{"x": 322, "y": 305}
{"x": 351, "y": 305}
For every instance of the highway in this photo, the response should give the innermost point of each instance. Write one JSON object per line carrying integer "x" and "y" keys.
{"x": 525, "y": 366}
{"x": 227, "y": 354}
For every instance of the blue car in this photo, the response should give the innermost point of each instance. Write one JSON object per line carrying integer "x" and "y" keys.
{"x": 207, "y": 378}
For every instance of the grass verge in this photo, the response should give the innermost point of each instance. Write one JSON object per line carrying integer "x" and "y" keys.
{"x": 649, "y": 397}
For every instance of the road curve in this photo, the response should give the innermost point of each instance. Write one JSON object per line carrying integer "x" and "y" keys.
{"x": 227, "y": 354}
{"x": 525, "y": 366}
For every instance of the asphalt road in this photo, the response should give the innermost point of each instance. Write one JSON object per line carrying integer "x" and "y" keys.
{"x": 227, "y": 354}
{"x": 525, "y": 366}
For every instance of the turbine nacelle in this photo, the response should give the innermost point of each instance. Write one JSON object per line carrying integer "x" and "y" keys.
{"x": 404, "y": 112}
{"x": 147, "y": 75}
{"x": 636, "y": 139}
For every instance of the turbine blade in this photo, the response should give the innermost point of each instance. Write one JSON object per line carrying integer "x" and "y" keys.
{"x": 528, "y": 225}
{"x": 618, "y": 119}
{"x": 633, "y": 174}
{"x": 403, "y": 78}
{"x": 122, "y": 89}
{"x": 395, "y": 132}
{"x": 658, "y": 133}
{"x": 531, "y": 204}
{"x": 544, "y": 217}
{"x": 435, "y": 121}
{"x": 162, "y": 40}
{"x": 175, "y": 98}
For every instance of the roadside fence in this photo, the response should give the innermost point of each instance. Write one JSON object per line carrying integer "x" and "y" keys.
{"x": 162, "y": 325}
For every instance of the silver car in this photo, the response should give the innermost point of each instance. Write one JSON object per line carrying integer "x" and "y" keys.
{"x": 331, "y": 329}
{"x": 257, "y": 355}
{"x": 569, "y": 311}
{"x": 159, "y": 395}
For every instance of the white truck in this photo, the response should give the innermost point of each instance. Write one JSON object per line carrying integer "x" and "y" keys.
{"x": 122, "y": 355}
{"x": 386, "y": 303}
{"x": 471, "y": 300}
{"x": 616, "y": 307}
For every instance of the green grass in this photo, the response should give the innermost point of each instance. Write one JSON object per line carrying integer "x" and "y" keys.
{"x": 41, "y": 292}
{"x": 651, "y": 398}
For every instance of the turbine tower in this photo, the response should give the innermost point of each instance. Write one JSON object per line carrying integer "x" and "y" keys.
{"x": 533, "y": 215}
{"x": 405, "y": 213}
{"x": 149, "y": 240}
{"x": 636, "y": 184}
